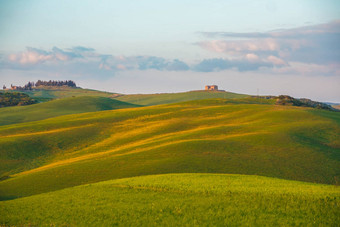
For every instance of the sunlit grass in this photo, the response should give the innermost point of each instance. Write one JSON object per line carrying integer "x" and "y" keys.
{"x": 202, "y": 136}
{"x": 45, "y": 93}
{"x": 180, "y": 200}
{"x": 166, "y": 98}
{"x": 54, "y": 108}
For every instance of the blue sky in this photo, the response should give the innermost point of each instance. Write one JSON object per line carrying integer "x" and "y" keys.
{"x": 143, "y": 46}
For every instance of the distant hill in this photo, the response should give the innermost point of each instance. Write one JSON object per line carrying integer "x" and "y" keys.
{"x": 200, "y": 136}
{"x": 46, "y": 93}
{"x": 54, "y": 108}
{"x": 166, "y": 98}
{"x": 288, "y": 100}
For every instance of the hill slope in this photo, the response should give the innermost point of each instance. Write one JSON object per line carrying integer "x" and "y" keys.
{"x": 166, "y": 98}
{"x": 11, "y": 115}
{"x": 208, "y": 136}
{"x": 180, "y": 200}
{"x": 46, "y": 93}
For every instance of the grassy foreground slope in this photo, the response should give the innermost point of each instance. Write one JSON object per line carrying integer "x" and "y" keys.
{"x": 208, "y": 136}
{"x": 180, "y": 200}
{"x": 19, "y": 114}
{"x": 166, "y": 98}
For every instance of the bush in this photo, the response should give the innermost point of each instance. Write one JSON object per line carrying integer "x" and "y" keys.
{"x": 15, "y": 99}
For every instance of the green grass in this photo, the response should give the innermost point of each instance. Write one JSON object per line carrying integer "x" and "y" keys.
{"x": 180, "y": 200}
{"x": 46, "y": 93}
{"x": 207, "y": 136}
{"x": 220, "y": 101}
{"x": 74, "y": 168}
{"x": 166, "y": 98}
{"x": 73, "y": 105}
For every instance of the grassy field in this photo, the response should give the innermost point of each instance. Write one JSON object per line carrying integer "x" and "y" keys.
{"x": 73, "y": 105}
{"x": 180, "y": 200}
{"x": 84, "y": 161}
{"x": 46, "y": 93}
{"x": 204, "y": 136}
{"x": 166, "y": 98}
{"x": 77, "y": 100}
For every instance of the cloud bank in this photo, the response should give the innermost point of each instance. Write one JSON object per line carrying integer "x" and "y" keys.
{"x": 281, "y": 51}
{"x": 85, "y": 60}
{"x": 317, "y": 45}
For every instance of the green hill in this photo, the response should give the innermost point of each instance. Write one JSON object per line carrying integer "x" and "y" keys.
{"x": 166, "y": 98}
{"x": 180, "y": 200}
{"x": 11, "y": 115}
{"x": 46, "y": 93}
{"x": 207, "y": 136}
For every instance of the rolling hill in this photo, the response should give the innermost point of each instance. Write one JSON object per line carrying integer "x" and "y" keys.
{"x": 245, "y": 136}
{"x": 46, "y": 93}
{"x": 73, "y": 105}
{"x": 166, "y": 98}
{"x": 180, "y": 200}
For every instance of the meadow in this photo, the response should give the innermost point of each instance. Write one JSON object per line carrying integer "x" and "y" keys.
{"x": 180, "y": 200}
{"x": 167, "y": 98}
{"x": 228, "y": 160}
{"x": 58, "y": 107}
{"x": 57, "y": 101}
{"x": 202, "y": 136}
{"x": 47, "y": 93}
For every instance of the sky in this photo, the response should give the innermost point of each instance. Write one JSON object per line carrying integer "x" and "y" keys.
{"x": 266, "y": 47}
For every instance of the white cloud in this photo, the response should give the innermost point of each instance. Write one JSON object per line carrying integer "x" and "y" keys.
{"x": 276, "y": 61}
{"x": 29, "y": 57}
{"x": 35, "y": 56}
{"x": 234, "y": 46}
{"x": 317, "y": 44}
{"x": 252, "y": 57}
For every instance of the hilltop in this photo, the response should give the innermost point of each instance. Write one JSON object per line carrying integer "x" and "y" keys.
{"x": 44, "y": 93}
{"x": 166, "y": 98}
{"x": 47, "y": 93}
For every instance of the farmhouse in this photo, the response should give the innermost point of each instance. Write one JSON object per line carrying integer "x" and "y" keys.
{"x": 211, "y": 88}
